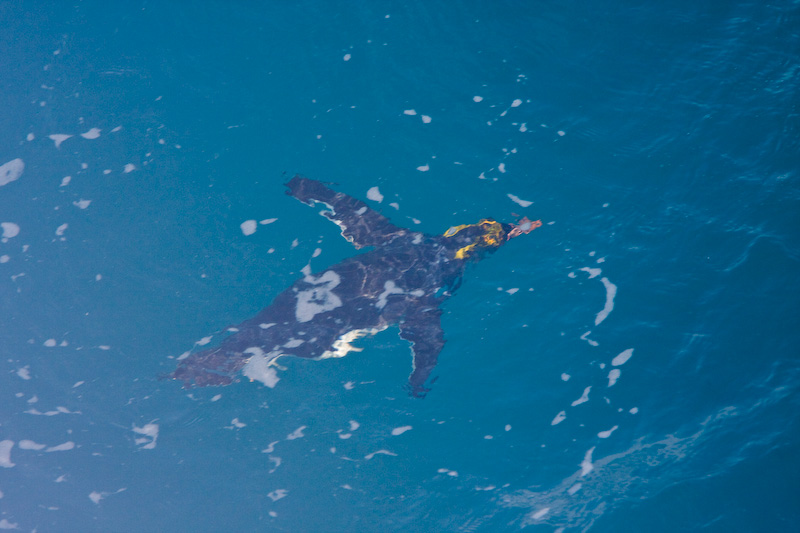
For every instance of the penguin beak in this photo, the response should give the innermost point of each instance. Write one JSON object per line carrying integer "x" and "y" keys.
{"x": 523, "y": 225}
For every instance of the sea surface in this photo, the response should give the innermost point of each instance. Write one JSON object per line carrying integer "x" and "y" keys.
{"x": 632, "y": 365}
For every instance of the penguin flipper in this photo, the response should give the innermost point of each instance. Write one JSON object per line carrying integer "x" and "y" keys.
{"x": 361, "y": 225}
{"x": 423, "y": 328}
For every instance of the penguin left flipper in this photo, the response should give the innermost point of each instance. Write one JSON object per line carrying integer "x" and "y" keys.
{"x": 361, "y": 225}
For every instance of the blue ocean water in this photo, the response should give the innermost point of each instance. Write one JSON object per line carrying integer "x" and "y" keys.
{"x": 631, "y": 365}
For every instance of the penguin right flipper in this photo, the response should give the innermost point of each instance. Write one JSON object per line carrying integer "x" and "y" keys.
{"x": 423, "y": 328}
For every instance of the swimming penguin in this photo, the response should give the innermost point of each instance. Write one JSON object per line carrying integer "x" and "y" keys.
{"x": 403, "y": 280}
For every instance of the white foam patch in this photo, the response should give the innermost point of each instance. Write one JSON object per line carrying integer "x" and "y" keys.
{"x": 374, "y": 194}
{"x": 5, "y": 453}
{"x": 426, "y": 119}
{"x": 236, "y": 423}
{"x": 97, "y": 496}
{"x": 82, "y": 204}
{"x": 10, "y": 230}
{"x": 541, "y": 513}
{"x": 584, "y": 397}
{"x": 59, "y": 138}
{"x": 565, "y": 377}
{"x": 389, "y": 288}
{"x": 613, "y": 376}
{"x": 607, "y": 433}
{"x": 411, "y": 112}
{"x": 65, "y": 181}
{"x": 622, "y": 357}
{"x": 586, "y": 464}
{"x": 516, "y": 103}
{"x": 451, "y": 473}
{"x": 574, "y": 488}
{"x": 248, "y": 227}
{"x": 477, "y": 99}
{"x": 319, "y": 299}
{"x": 593, "y": 272}
{"x": 130, "y": 167}
{"x": 424, "y": 168}
{"x": 63, "y": 447}
{"x": 341, "y": 346}
{"x": 5, "y": 524}
{"x": 24, "y": 373}
{"x": 5, "y": 258}
{"x": 57, "y": 411}
{"x": 379, "y": 452}
{"x": 520, "y": 201}
{"x": 150, "y": 432}
{"x": 513, "y": 291}
{"x": 50, "y": 343}
{"x": 276, "y": 495}
{"x": 61, "y": 229}
{"x": 267, "y": 221}
{"x": 204, "y": 341}
{"x": 294, "y": 343}
{"x": 11, "y": 171}
{"x": 611, "y": 291}
{"x": 400, "y": 430}
{"x": 93, "y": 133}
{"x": 296, "y": 434}
{"x": 502, "y": 168}
{"x": 276, "y": 461}
{"x": 585, "y": 337}
{"x": 560, "y": 417}
{"x": 271, "y": 447}
{"x": 259, "y": 367}
{"x": 355, "y": 425}
{"x": 30, "y": 445}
